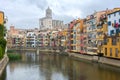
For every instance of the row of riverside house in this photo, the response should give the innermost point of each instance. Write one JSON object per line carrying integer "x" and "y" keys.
{"x": 33, "y": 38}
{"x": 97, "y": 34}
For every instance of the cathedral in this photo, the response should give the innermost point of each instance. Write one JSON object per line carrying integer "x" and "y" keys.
{"x": 48, "y": 23}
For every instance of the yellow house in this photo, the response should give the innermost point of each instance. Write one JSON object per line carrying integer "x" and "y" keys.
{"x": 76, "y": 29}
{"x": 71, "y": 45}
{"x": 1, "y": 17}
{"x": 101, "y": 29}
{"x": 73, "y": 38}
{"x": 111, "y": 47}
{"x": 100, "y": 38}
{"x": 64, "y": 38}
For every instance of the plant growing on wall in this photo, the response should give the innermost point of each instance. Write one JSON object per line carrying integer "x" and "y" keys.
{"x": 2, "y": 41}
{"x": 1, "y": 31}
{"x": 1, "y": 53}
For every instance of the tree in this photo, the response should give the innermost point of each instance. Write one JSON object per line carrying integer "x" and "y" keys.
{"x": 2, "y": 41}
{"x": 1, "y": 53}
{"x": 1, "y": 31}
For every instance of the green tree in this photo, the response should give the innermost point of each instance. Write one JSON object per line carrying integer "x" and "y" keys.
{"x": 3, "y": 44}
{"x": 2, "y": 41}
{"x": 1, "y": 31}
{"x": 1, "y": 53}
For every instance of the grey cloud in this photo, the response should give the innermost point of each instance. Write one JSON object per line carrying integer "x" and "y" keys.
{"x": 27, "y": 12}
{"x": 27, "y": 23}
{"x": 88, "y": 7}
{"x": 39, "y": 3}
{"x": 63, "y": 17}
{"x": 98, "y": 5}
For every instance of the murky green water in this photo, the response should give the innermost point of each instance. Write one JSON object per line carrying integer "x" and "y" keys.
{"x": 56, "y": 67}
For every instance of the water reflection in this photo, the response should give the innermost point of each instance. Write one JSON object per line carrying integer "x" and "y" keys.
{"x": 56, "y": 67}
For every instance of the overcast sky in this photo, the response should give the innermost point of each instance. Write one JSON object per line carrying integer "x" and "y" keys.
{"x": 26, "y": 13}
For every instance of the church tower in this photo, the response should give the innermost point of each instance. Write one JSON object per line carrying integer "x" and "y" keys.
{"x": 48, "y": 13}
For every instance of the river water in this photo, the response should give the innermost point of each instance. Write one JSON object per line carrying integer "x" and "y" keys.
{"x": 57, "y": 67}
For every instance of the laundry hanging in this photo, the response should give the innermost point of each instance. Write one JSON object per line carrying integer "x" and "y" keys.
{"x": 116, "y": 25}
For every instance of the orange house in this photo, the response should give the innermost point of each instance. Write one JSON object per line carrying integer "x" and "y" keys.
{"x": 1, "y": 17}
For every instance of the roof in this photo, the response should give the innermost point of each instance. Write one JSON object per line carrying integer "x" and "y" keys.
{"x": 113, "y": 11}
{"x": 1, "y": 11}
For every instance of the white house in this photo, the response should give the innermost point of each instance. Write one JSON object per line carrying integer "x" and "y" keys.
{"x": 31, "y": 39}
{"x": 114, "y": 22}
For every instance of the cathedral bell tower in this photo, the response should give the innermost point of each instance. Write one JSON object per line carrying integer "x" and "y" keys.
{"x": 48, "y": 13}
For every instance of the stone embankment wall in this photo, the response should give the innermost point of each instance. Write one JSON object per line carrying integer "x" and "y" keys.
{"x": 3, "y": 63}
{"x": 109, "y": 61}
{"x": 103, "y": 60}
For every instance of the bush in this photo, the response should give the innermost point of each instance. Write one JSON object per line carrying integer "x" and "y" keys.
{"x": 1, "y": 52}
{"x": 2, "y": 41}
{"x": 1, "y": 31}
{"x": 13, "y": 56}
{"x": 3, "y": 44}
{"x": 10, "y": 51}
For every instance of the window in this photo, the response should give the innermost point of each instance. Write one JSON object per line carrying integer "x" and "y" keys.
{"x": 110, "y": 51}
{"x": 117, "y": 31}
{"x": 105, "y": 51}
{"x": 111, "y": 32}
{"x": 74, "y": 32}
{"x": 114, "y": 41}
{"x": 82, "y": 48}
{"x": 89, "y": 28}
{"x": 114, "y": 14}
{"x": 117, "y": 39}
{"x": 114, "y": 21}
{"x": 109, "y": 23}
{"x": 105, "y": 41}
{"x": 116, "y": 52}
{"x": 109, "y": 15}
{"x": 74, "y": 42}
{"x": 119, "y": 12}
{"x": 74, "y": 48}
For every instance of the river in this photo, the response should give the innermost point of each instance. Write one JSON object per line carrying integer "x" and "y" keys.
{"x": 57, "y": 67}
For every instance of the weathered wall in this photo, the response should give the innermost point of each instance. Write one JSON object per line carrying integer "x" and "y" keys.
{"x": 3, "y": 63}
{"x": 103, "y": 60}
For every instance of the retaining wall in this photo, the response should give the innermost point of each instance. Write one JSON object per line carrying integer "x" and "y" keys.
{"x": 104, "y": 60}
{"x": 3, "y": 63}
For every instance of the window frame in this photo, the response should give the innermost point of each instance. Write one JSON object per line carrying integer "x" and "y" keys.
{"x": 115, "y": 14}
{"x": 119, "y": 20}
{"x": 105, "y": 51}
{"x": 114, "y": 41}
{"x": 109, "y": 23}
{"x": 116, "y": 52}
{"x": 110, "y": 51}
{"x": 109, "y": 15}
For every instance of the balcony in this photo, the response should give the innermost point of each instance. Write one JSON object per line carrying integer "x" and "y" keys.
{"x": 72, "y": 33}
{"x": 90, "y": 30}
{"x": 99, "y": 30}
{"x": 73, "y": 44}
{"x": 81, "y": 44}
{"x": 100, "y": 36}
{"x": 103, "y": 17}
{"x": 81, "y": 37}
